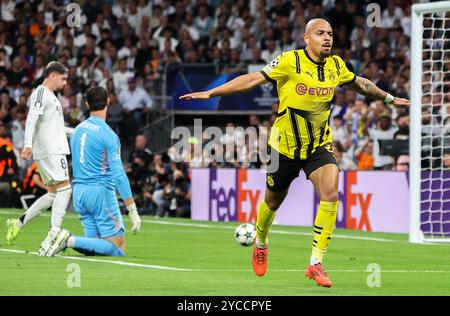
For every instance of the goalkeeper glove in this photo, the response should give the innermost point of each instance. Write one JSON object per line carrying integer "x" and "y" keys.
{"x": 134, "y": 217}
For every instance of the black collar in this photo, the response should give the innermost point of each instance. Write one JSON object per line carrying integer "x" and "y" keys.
{"x": 312, "y": 60}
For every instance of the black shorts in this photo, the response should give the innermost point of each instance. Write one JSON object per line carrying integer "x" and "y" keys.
{"x": 289, "y": 169}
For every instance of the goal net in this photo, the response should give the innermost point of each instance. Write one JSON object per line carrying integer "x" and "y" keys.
{"x": 430, "y": 123}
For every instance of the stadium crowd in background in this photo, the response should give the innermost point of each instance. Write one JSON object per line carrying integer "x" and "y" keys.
{"x": 126, "y": 46}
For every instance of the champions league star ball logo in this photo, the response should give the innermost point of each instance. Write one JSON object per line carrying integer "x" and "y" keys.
{"x": 274, "y": 63}
{"x": 267, "y": 90}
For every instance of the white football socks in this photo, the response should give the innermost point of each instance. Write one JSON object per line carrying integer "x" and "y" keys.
{"x": 261, "y": 245}
{"x": 60, "y": 205}
{"x": 39, "y": 206}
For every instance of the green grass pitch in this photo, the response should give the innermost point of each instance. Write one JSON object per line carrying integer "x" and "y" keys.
{"x": 189, "y": 258}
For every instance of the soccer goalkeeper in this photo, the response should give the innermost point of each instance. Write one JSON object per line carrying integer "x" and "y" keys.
{"x": 302, "y": 137}
{"x": 97, "y": 173}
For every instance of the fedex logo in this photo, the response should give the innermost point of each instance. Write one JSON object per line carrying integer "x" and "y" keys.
{"x": 232, "y": 197}
{"x": 302, "y": 89}
{"x": 248, "y": 199}
{"x": 357, "y": 201}
{"x": 222, "y": 197}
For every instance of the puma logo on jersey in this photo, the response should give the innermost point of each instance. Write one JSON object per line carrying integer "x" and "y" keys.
{"x": 310, "y": 74}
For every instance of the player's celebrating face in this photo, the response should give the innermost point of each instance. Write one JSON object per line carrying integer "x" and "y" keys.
{"x": 319, "y": 38}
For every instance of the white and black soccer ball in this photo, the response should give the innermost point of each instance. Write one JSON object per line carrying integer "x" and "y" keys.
{"x": 245, "y": 234}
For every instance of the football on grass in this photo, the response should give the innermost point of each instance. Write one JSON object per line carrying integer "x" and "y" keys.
{"x": 245, "y": 234}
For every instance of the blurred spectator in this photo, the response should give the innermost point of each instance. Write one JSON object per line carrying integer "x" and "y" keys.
{"x": 181, "y": 199}
{"x": 364, "y": 155}
{"x": 141, "y": 156}
{"x": 32, "y": 183}
{"x": 270, "y": 52}
{"x": 402, "y": 122}
{"x": 402, "y": 163}
{"x": 340, "y": 132}
{"x": 383, "y": 131}
{"x": 122, "y": 76}
{"x": 115, "y": 114}
{"x": 235, "y": 65}
{"x": 135, "y": 101}
{"x": 149, "y": 79}
{"x": 391, "y": 14}
{"x": 446, "y": 162}
{"x": 74, "y": 115}
{"x": 203, "y": 22}
{"x": 9, "y": 174}
{"x": 345, "y": 162}
{"x": 18, "y": 127}
{"x": 231, "y": 134}
{"x": 162, "y": 188}
{"x": 356, "y": 119}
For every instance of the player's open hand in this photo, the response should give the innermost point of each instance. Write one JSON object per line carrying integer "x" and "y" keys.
{"x": 26, "y": 153}
{"x": 401, "y": 102}
{"x": 196, "y": 96}
{"x": 134, "y": 217}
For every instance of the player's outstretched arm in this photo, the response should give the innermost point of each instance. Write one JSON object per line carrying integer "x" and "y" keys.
{"x": 366, "y": 87}
{"x": 240, "y": 84}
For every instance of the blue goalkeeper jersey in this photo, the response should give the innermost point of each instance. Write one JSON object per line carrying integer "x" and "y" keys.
{"x": 96, "y": 157}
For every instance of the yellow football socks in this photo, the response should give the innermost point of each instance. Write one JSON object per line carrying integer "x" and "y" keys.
{"x": 264, "y": 222}
{"x": 323, "y": 228}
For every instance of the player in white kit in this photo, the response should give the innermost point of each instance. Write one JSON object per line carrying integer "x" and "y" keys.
{"x": 46, "y": 141}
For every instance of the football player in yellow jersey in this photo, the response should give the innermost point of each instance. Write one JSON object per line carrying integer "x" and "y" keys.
{"x": 302, "y": 137}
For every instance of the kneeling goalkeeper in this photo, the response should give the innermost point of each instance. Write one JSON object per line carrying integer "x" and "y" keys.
{"x": 97, "y": 173}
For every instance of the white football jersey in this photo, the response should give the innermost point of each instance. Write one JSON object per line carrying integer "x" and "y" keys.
{"x": 49, "y": 136}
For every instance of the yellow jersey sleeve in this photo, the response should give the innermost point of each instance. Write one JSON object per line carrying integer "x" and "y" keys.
{"x": 277, "y": 69}
{"x": 345, "y": 76}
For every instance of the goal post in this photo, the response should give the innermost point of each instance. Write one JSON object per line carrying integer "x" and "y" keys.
{"x": 429, "y": 178}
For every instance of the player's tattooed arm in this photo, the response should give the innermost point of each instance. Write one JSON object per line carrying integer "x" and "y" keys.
{"x": 366, "y": 87}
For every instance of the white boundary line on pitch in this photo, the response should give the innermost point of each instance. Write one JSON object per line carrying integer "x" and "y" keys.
{"x": 122, "y": 263}
{"x": 276, "y": 231}
{"x": 148, "y": 266}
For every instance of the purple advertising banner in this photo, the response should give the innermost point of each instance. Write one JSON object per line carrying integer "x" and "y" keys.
{"x": 369, "y": 200}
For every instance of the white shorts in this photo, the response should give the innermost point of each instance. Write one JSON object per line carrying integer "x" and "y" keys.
{"x": 53, "y": 169}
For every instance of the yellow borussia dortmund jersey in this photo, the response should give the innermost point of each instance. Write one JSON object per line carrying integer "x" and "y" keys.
{"x": 305, "y": 89}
